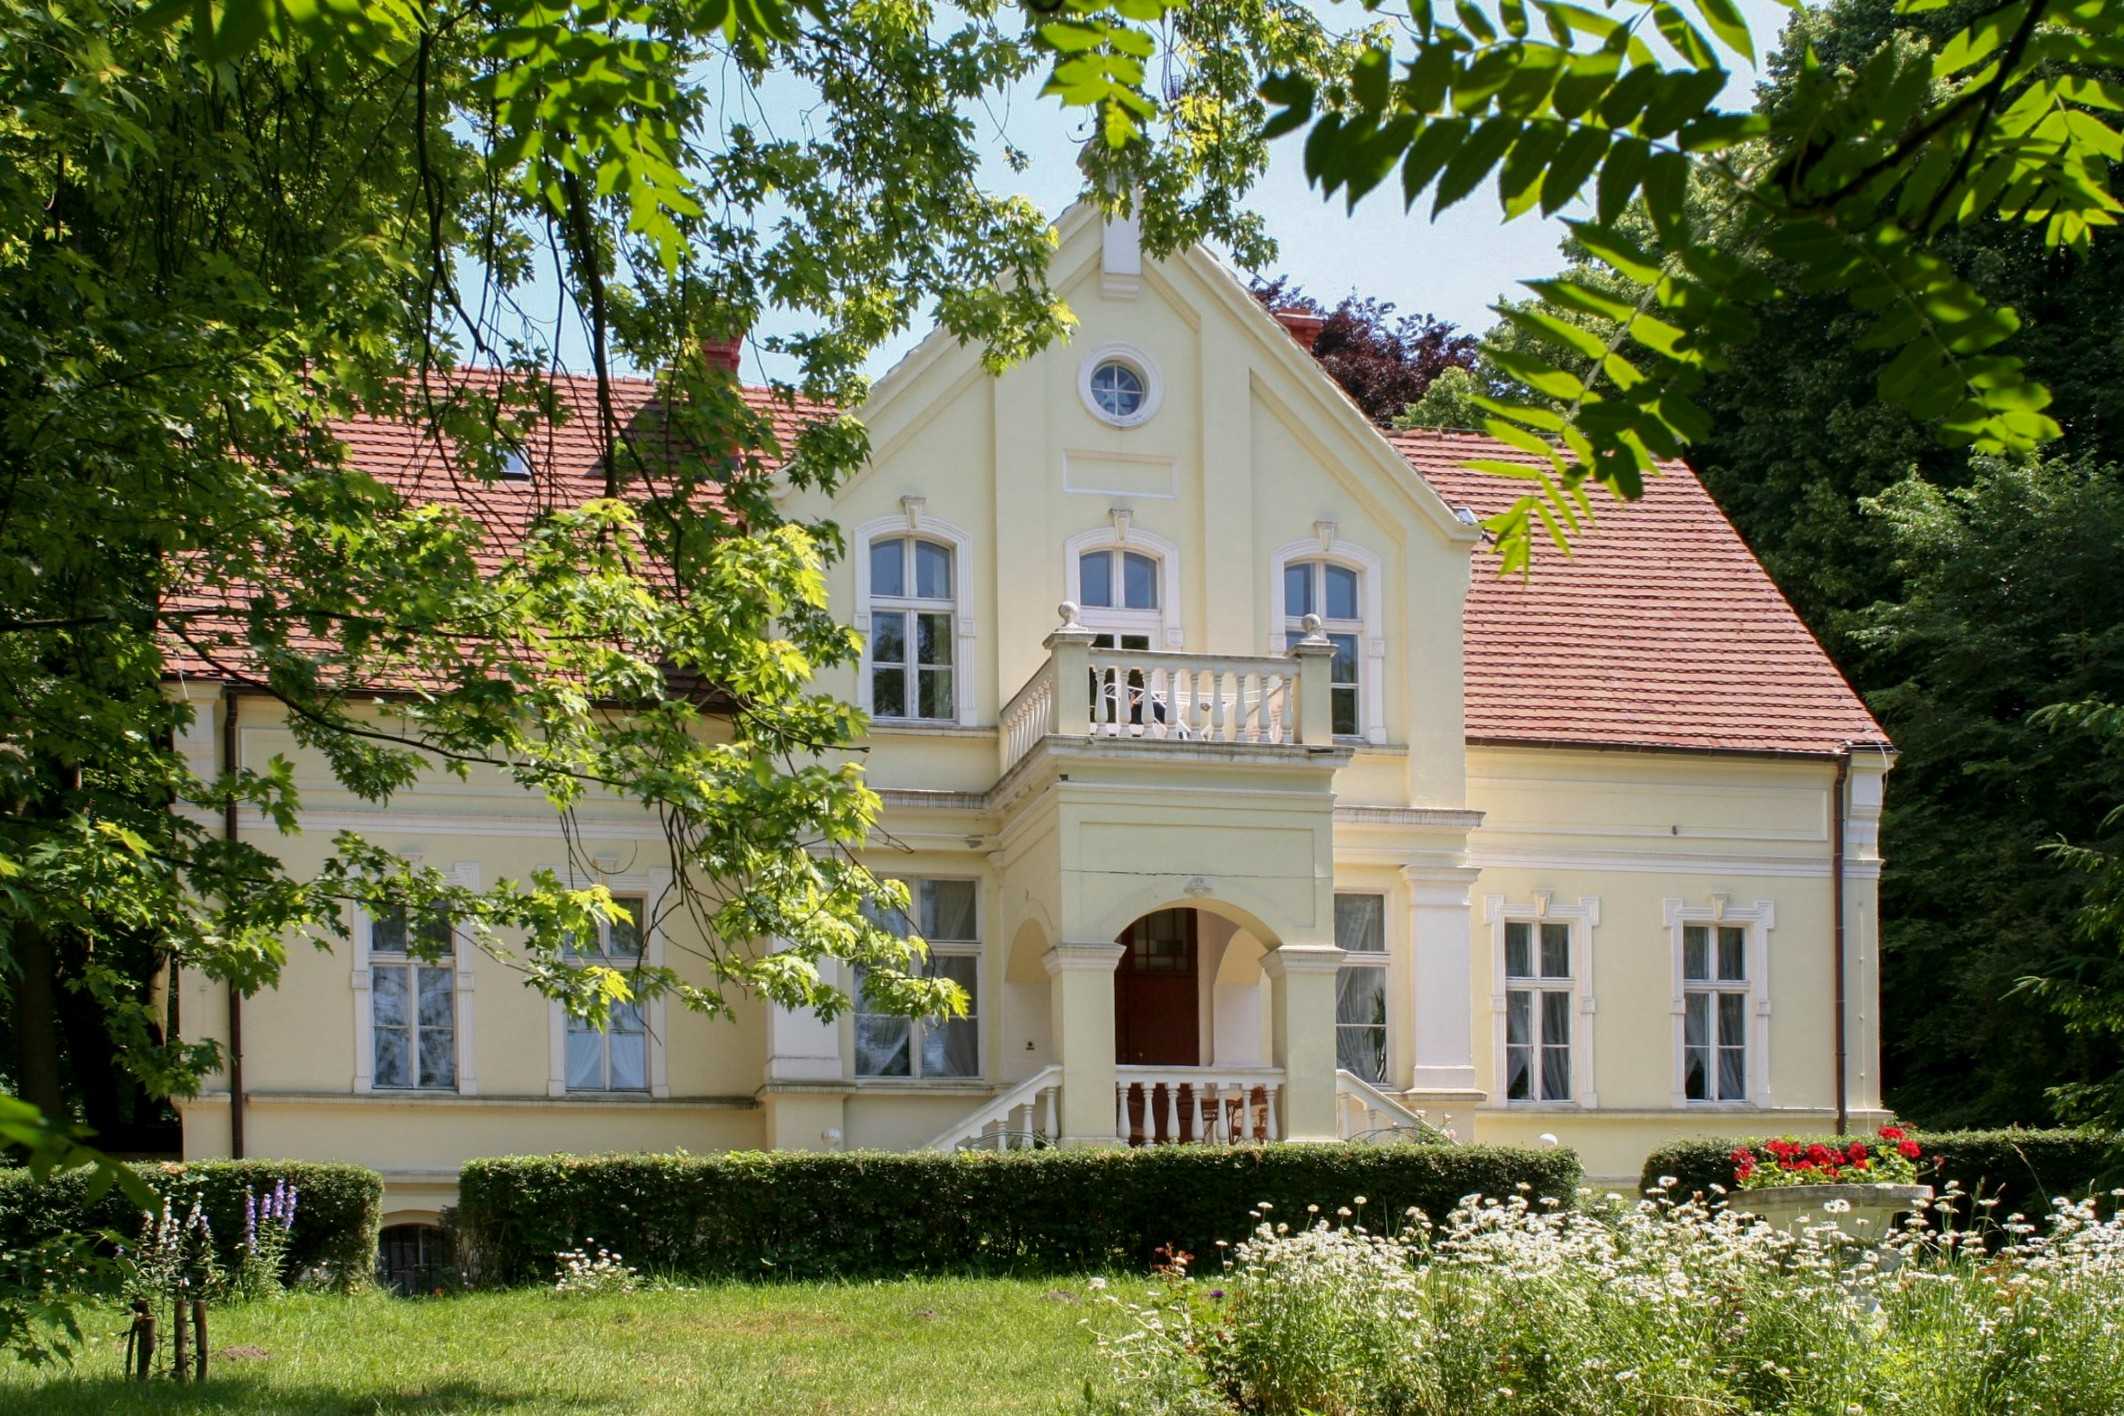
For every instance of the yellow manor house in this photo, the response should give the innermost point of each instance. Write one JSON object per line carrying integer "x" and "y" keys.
{"x": 1240, "y": 792}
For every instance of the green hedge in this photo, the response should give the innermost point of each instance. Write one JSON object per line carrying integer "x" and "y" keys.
{"x": 859, "y": 1213}
{"x": 338, "y": 1208}
{"x": 2025, "y": 1169}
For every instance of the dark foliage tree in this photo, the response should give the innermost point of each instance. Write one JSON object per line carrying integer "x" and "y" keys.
{"x": 2007, "y": 602}
{"x": 1383, "y": 362}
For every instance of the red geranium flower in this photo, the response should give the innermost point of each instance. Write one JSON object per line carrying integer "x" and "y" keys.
{"x": 1909, "y": 1149}
{"x": 1892, "y": 1133}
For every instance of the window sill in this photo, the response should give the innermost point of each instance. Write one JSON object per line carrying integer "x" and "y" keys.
{"x": 399, "y": 1097}
{"x": 923, "y": 1086}
{"x": 927, "y": 727}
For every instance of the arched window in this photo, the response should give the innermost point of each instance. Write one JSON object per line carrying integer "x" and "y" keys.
{"x": 1323, "y": 588}
{"x": 1340, "y": 582}
{"x": 1119, "y": 588}
{"x": 913, "y": 601}
{"x": 1126, "y": 582}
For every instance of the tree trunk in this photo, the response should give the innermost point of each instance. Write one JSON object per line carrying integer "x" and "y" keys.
{"x": 36, "y": 1020}
{"x": 199, "y": 1340}
{"x": 180, "y": 1349}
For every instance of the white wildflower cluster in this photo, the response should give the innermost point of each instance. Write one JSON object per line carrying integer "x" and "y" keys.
{"x": 1524, "y": 1306}
{"x": 592, "y": 1270}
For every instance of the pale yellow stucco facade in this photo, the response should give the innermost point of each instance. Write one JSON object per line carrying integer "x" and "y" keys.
{"x": 1248, "y": 460}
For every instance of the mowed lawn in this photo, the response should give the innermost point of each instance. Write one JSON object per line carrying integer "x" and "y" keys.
{"x": 918, "y": 1345}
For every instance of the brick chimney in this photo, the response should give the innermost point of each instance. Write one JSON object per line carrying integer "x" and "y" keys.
{"x": 725, "y": 352}
{"x": 1302, "y": 325}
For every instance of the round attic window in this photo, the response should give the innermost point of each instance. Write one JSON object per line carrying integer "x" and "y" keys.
{"x": 1119, "y": 386}
{"x": 1118, "y": 390}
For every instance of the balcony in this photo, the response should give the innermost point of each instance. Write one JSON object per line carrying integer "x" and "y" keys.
{"x": 1152, "y": 696}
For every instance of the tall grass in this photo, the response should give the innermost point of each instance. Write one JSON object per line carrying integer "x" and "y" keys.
{"x": 1512, "y": 1308}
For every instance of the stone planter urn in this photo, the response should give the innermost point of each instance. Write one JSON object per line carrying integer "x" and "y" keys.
{"x": 1796, "y": 1208}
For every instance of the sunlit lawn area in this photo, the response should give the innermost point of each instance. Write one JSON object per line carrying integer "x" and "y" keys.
{"x": 928, "y": 1345}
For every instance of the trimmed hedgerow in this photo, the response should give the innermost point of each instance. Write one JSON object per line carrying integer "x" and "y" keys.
{"x": 338, "y": 1213}
{"x": 2025, "y": 1170}
{"x": 793, "y": 1214}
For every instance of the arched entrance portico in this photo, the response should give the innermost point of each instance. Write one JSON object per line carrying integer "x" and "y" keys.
{"x": 1187, "y": 1063}
{"x": 1157, "y": 991}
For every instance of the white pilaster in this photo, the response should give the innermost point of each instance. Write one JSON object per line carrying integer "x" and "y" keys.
{"x": 1081, "y": 1002}
{"x": 1443, "y": 977}
{"x": 800, "y": 1047}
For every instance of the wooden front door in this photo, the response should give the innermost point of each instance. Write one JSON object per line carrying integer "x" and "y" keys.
{"x": 1155, "y": 998}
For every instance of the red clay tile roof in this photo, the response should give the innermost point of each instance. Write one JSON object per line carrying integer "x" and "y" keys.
{"x": 1661, "y": 630}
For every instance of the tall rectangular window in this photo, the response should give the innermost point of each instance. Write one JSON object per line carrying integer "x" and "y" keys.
{"x": 911, "y": 610}
{"x": 1538, "y": 993}
{"x": 413, "y": 1002}
{"x": 891, "y": 1046}
{"x": 1330, "y": 591}
{"x": 616, "y": 1057}
{"x": 1715, "y": 992}
{"x": 1361, "y": 986}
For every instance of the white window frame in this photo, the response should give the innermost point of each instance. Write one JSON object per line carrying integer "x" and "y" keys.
{"x": 1160, "y": 624}
{"x": 1583, "y": 920}
{"x": 915, "y": 521}
{"x": 652, "y": 888}
{"x": 952, "y": 948}
{"x": 1758, "y": 919}
{"x": 1136, "y": 359}
{"x": 1326, "y": 545}
{"x": 1365, "y": 959}
{"x": 363, "y": 982}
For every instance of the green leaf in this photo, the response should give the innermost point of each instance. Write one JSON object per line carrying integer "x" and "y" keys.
{"x": 1619, "y": 176}
{"x": 1574, "y": 162}
{"x": 1474, "y": 160}
{"x": 1433, "y": 148}
{"x": 1584, "y": 79}
{"x": 1537, "y": 373}
{"x": 1429, "y": 75}
{"x": 1519, "y": 184}
{"x": 1548, "y": 328}
{"x": 1687, "y": 40}
{"x": 1666, "y": 197}
{"x": 1369, "y": 79}
{"x": 1617, "y": 250}
{"x": 1725, "y": 19}
{"x": 1974, "y": 44}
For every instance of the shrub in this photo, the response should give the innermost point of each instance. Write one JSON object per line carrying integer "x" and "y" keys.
{"x": 334, "y": 1236}
{"x": 869, "y": 1213}
{"x": 2025, "y": 1170}
{"x": 1514, "y": 1310}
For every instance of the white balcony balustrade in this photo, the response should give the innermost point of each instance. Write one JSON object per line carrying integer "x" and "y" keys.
{"x": 1023, "y": 1118}
{"x": 1196, "y": 1105}
{"x": 1169, "y": 696}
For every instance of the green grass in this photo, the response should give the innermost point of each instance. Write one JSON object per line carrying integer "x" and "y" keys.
{"x": 926, "y": 1345}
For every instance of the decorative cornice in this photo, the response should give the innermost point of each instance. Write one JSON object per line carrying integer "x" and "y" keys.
{"x": 1301, "y": 959}
{"x": 1071, "y": 957}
